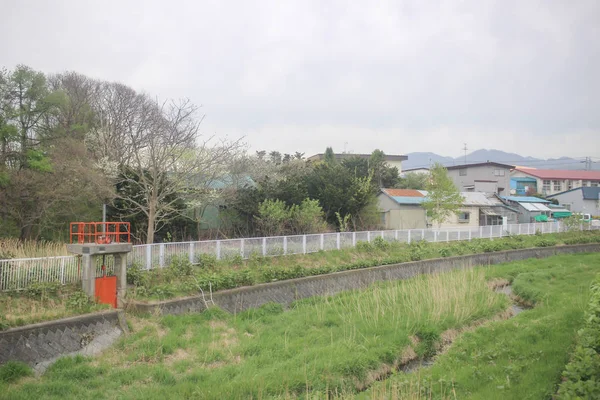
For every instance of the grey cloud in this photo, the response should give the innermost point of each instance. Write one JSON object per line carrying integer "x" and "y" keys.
{"x": 308, "y": 74}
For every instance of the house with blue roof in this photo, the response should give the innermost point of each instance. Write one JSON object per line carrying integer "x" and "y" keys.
{"x": 531, "y": 209}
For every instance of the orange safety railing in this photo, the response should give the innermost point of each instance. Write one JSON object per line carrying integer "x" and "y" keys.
{"x": 100, "y": 232}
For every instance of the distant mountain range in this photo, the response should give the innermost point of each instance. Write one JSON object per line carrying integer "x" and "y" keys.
{"x": 424, "y": 159}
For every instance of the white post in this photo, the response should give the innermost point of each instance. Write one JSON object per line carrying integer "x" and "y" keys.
{"x": 353, "y": 239}
{"x": 148, "y": 256}
{"x": 161, "y": 255}
{"x": 264, "y": 246}
{"x": 338, "y": 240}
{"x": 369, "y": 236}
{"x": 491, "y": 231}
{"x": 459, "y": 234}
{"x": 481, "y": 232}
{"x": 543, "y": 227}
{"x": 303, "y": 244}
{"x": 435, "y": 236}
{"x": 422, "y": 234}
{"x": 62, "y": 270}
{"x": 322, "y": 241}
{"x": 519, "y": 228}
{"x": 218, "y": 249}
{"x": 447, "y": 236}
{"x": 284, "y": 245}
{"x": 191, "y": 253}
{"x": 396, "y": 235}
{"x": 470, "y": 234}
{"x": 408, "y": 240}
{"x": 242, "y": 248}
{"x": 382, "y": 234}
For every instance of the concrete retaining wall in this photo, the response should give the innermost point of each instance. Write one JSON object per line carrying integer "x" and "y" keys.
{"x": 285, "y": 292}
{"x": 40, "y": 344}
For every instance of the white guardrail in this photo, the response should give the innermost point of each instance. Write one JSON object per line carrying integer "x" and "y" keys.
{"x": 19, "y": 273}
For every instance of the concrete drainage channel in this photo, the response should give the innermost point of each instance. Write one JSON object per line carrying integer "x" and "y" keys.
{"x": 39, "y": 345}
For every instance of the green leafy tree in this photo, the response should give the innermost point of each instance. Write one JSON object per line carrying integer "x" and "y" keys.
{"x": 443, "y": 198}
{"x": 329, "y": 156}
{"x": 273, "y": 217}
{"x": 413, "y": 180}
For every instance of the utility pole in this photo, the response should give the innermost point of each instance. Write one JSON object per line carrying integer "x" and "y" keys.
{"x": 588, "y": 163}
{"x": 465, "y": 149}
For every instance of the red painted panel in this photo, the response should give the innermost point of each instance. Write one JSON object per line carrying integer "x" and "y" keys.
{"x": 106, "y": 290}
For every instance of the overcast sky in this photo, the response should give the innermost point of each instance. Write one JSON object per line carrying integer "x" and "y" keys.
{"x": 520, "y": 76}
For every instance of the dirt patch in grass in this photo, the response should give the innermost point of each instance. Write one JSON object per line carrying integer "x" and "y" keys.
{"x": 178, "y": 355}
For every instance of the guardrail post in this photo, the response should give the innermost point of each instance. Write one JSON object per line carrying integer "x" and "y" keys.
{"x": 285, "y": 245}
{"x": 161, "y": 255}
{"x": 264, "y": 246}
{"x": 218, "y": 249}
{"x": 148, "y": 256}
{"x": 191, "y": 253}
{"x": 447, "y": 236}
{"x": 369, "y": 236}
{"x": 322, "y": 241}
{"x": 382, "y": 235}
{"x": 338, "y": 240}
{"x": 481, "y": 232}
{"x": 242, "y": 248}
{"x": 353, "y": 239}
{"x": 303, "y": 244}
{"x": 408, "y": 239}
{"x": 491, "y": 232}
{"x": 458, "y": 235}
{"x": 396, "y": 235}
{"x": 519, "y": 225}
{"x": 470, "y": 234}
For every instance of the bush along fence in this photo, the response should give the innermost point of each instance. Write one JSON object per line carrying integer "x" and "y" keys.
{"x": 17, "y": 274}
{"x": 581, "y": 378}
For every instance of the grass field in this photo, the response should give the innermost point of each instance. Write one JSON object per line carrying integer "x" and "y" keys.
{"x": 521, "y": 358}
{"x": 337, "y": 346}
{"x": 330, "y": 343}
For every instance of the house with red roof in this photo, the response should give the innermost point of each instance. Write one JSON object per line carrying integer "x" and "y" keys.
{"x": 527, "y": 181}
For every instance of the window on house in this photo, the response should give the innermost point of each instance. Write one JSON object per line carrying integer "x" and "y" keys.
{"x": 557, "y": 186}
{"x": 464, "y": 216}
{"x": 569, "y": 185}
{"x": 499, "y": 172}
{"x": 594, "y": 183}
{"x": 546, "y": 187}
{"x": 462, "y": 172}
{"x": 567, "y": 206}
{"x": 587, "y": 183}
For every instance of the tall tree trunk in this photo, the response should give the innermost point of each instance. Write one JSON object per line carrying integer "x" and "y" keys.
{"x": 151, "y": 222}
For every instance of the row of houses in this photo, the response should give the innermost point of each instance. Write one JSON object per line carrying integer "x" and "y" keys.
{"x": 402, "y": 209}
{"x": 576, "y": 191}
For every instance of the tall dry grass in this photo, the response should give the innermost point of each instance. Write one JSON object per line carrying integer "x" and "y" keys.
{"x": 456, "y": 297}
{"x": 14, "y": 248}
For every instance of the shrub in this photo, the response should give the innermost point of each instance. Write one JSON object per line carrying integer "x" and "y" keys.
{"x": 78, "y": 300}
{"x": 181, "y": 266}
{"x": 13, "y": 370}
{"x": 365, "y": 247}
{"x": 207, "y": 261}
{"x": 43, "y": 290}
{"x": 381, "y": 244}
{"x": 134, "y": 274}
{"x": 545, "y": 242}
{"x": 581, "y": 378}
